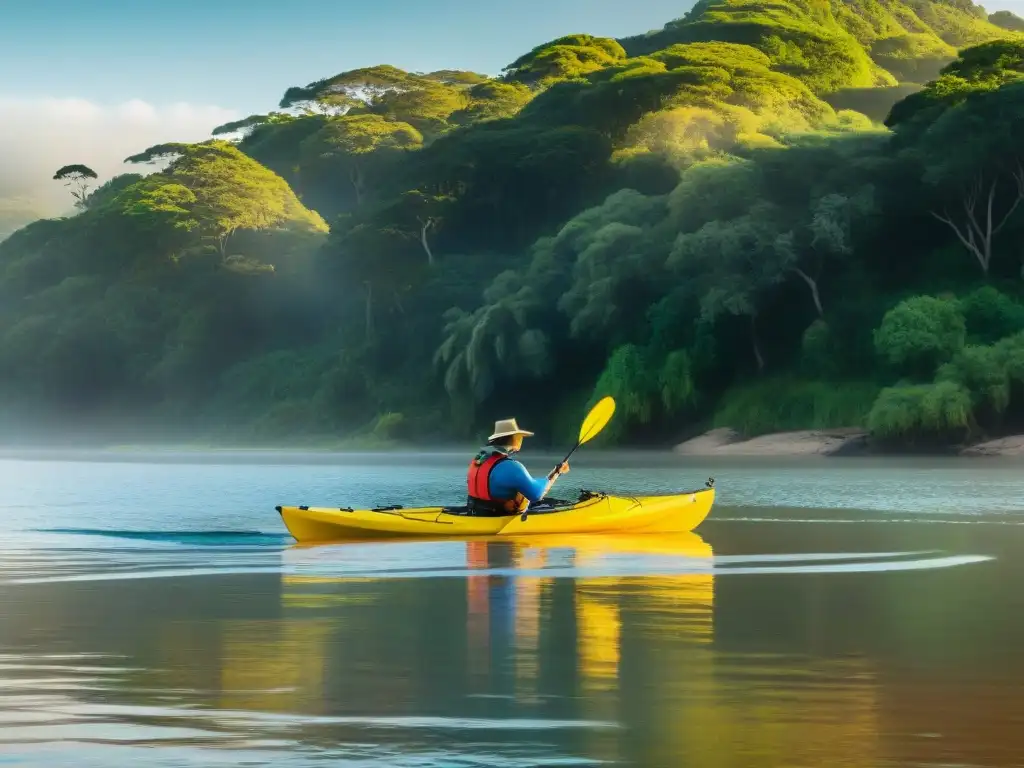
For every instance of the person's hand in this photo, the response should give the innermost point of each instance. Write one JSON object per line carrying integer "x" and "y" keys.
{"x": 559, "y": 470}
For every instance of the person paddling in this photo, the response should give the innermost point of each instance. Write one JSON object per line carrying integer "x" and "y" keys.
{"x": 500, "y": 485}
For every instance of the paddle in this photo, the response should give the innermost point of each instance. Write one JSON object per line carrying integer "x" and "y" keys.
{"x": 596, "y": 420}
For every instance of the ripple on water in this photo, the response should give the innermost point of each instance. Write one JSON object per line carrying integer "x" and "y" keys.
{"x": 53, "y": 715}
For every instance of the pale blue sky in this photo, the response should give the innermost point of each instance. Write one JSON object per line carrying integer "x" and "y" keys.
{"x": 242, "y": 54}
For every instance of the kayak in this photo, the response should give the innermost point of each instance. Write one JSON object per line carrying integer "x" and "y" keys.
{"x": 590, "y": 513}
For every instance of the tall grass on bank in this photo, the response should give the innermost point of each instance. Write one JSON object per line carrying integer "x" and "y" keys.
{"x": 923, "y": 410}
{"x": 783, "y": 404}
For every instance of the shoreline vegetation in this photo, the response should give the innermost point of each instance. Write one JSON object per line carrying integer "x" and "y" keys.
{"x": 721, "y": 442}
{"x": 777, "y": 218}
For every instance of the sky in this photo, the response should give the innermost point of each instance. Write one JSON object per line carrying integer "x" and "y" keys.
{"x": 92, "y": 82}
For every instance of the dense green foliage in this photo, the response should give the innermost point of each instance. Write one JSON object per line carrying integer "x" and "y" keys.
{"x": 710, "y": 222}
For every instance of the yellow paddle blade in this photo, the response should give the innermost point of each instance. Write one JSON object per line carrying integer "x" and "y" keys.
{"x": 597, "y": 419}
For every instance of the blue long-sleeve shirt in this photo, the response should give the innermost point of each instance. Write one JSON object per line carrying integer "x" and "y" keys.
{"x": 510, "y": 476}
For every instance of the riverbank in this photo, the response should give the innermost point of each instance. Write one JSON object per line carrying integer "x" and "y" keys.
{"x": 835, "y": 442}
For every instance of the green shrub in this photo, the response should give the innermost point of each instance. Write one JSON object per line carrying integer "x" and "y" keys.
{"x": 920, "y": 410}
{"x": 982, "y": 372}
{"x": 991, "y": 315}
{"x": 921, "y": 333}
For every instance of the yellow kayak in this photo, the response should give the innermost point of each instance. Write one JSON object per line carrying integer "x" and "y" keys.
{"x": 591, "y": 513}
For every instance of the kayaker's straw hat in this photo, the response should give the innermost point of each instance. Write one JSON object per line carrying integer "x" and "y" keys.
{"x": 507, "y": 428}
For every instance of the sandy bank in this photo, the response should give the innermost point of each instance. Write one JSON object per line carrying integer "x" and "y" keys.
{"x": 728, "y": 442}
{"x": 1004, "y": 446}
{"x": 827, "y": 442}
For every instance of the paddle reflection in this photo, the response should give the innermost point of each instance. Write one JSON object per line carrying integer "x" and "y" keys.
{"x": 274, "y": 666}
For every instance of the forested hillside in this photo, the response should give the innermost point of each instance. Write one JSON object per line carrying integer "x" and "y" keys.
{"x": 803, "y": 213}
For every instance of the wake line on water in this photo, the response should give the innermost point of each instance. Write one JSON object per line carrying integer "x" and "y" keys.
{"x": 200, "y": 538}
{"x": 920, "y": 520}
{"x": 627, "y": 567}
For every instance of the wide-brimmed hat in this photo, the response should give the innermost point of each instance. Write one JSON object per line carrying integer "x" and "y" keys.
{"x": 506, "y": 428}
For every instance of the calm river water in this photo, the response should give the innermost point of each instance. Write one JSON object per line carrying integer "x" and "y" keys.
{"x": 843, "y": 612}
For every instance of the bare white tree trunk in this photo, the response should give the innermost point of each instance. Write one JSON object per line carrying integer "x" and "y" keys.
{"x": 425, "y": 227}
{"x": 813, "y": 285}
{"x": 977, "y": 232}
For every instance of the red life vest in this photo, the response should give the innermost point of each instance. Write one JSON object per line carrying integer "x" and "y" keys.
{"x": 479, "y": 481}
{"x": 479, "y": 476}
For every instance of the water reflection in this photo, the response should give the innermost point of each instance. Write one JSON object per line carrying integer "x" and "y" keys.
{"x": 274, "y": 666}
{"x": 636, "y": 650}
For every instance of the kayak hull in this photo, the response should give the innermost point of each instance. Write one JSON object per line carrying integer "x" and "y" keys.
{"x": 593, "y": 513}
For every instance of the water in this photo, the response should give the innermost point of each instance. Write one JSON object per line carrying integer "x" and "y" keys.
{"x": 830, "y": 612}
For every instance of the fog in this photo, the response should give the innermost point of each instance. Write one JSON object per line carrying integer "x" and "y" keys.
{"x": 41, "y": 135}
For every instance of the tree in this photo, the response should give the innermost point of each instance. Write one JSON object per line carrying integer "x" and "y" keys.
{"x": 499, "y": 341}
{"x": 77, "y": 178}
{"x": 980, "y": 222}
{"x": 616, "y": 269}
{"x": 216, "y": 191}
{"x": 359, "y": 148}
{"x": 424, "y": 101}
{"x": 162, "y": 209}
{"x": 419, "y": 215}
{"x": 492, "y": 100}
{"x": 826, "y": 236}
{"x": 110, "y": 189}
{"x": 247, "y": 124}
{"x": 729, "y": 265}
{"x": 985, "y": 173}
{"x": 921, "y": 333}
{"x": 509, "y": 181}
{"x": 980, "y": 69}
{"x": 369, "y": 251}
{"x": 565, "y": 58}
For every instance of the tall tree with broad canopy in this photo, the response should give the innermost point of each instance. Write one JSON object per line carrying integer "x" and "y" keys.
{"x": 216, "y": 191}
{"x": 78, "y": 178}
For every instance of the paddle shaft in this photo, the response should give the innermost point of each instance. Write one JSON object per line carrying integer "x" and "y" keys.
{"x": 569, "y": 455}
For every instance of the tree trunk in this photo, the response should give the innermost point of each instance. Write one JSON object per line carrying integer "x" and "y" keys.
{"x": 425, "y": 227}
{"x": 222, "y": 244}
{"x": 757, "y": 347}
{"x": 813, "y": 285}
{"x": 976, "y": 236}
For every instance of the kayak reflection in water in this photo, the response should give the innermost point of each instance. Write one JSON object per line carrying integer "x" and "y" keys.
{"x": 500, "y": 485}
